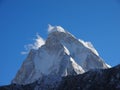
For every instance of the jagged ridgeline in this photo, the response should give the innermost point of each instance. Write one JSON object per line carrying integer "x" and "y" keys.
{"x": 61, "y": 55}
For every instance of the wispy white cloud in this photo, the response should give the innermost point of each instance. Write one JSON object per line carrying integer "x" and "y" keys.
{"x": 38, "y": 43}
{"x": 24, "y": 52}
{"x": 50, "y": 28}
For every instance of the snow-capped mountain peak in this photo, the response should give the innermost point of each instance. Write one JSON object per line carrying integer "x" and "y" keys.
{"x": 61, "y": 55}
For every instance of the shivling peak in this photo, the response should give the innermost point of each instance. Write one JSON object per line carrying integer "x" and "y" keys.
{"x": 61, "y": 55}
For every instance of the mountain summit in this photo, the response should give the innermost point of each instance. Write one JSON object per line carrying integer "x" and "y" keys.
{"x": 61, "y": 55}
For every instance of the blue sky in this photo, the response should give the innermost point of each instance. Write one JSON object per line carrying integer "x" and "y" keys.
{"x": 97, "y": 21}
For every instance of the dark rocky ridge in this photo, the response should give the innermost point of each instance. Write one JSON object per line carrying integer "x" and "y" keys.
{"x": 101, "y": 79}
{"x": 107, "y": 79}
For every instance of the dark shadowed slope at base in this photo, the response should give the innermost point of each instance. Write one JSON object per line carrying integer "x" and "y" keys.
{"x": 101, "y": 79}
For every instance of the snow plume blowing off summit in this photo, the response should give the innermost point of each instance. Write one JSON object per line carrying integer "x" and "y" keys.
{"x": 37, "y": 44}
{"x": 61, "y": 54}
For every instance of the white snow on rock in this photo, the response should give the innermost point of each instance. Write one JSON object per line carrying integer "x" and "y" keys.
{"x": 90, "y": 46}
{"x": 62, "y": 54}
{"x": 55, "y": 28}
{"x": 108, "y": 65}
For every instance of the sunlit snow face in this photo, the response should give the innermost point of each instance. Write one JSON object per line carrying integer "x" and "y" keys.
{"x": 55, "y": 28}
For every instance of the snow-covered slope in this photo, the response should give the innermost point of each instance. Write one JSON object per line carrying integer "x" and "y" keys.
{"x": 61, "y": 55}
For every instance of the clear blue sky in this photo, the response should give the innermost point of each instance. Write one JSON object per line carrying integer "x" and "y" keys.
{"x": 97, "y": 21}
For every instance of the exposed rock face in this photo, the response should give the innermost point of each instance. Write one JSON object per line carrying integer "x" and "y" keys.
{"x": 99, "y": 79}
{"x": 61, "y": 55}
